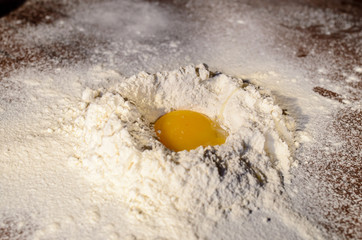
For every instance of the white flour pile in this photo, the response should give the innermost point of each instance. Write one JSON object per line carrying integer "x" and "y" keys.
{"x": 85, "y": 164}
{"x": 182, "y": 195}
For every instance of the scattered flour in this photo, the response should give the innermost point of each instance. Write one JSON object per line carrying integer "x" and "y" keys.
{"x": 123, "y": 184}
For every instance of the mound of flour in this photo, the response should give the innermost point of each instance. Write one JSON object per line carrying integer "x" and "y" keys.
{"x": 186, "y": 192}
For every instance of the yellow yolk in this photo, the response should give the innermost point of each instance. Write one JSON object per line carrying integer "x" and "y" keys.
{"x": 186, "y": 130}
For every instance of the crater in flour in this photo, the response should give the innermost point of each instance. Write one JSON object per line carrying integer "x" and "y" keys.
{"x": 120, "y": 156}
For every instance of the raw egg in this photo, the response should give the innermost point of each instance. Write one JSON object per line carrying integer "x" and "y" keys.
{"x": 186, "y": 130}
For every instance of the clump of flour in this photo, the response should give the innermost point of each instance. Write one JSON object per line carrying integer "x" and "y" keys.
{"x": 190, "y": 190}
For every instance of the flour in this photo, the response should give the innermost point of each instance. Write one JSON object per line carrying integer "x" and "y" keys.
{"x": 189, "y": 191}
{"x": 78, "y": 156}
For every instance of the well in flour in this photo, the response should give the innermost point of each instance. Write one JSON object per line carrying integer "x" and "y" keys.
{"x": 191, "y": 190}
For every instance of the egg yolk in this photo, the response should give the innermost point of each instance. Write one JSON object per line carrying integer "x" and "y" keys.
{"x": 186, "y": 130}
